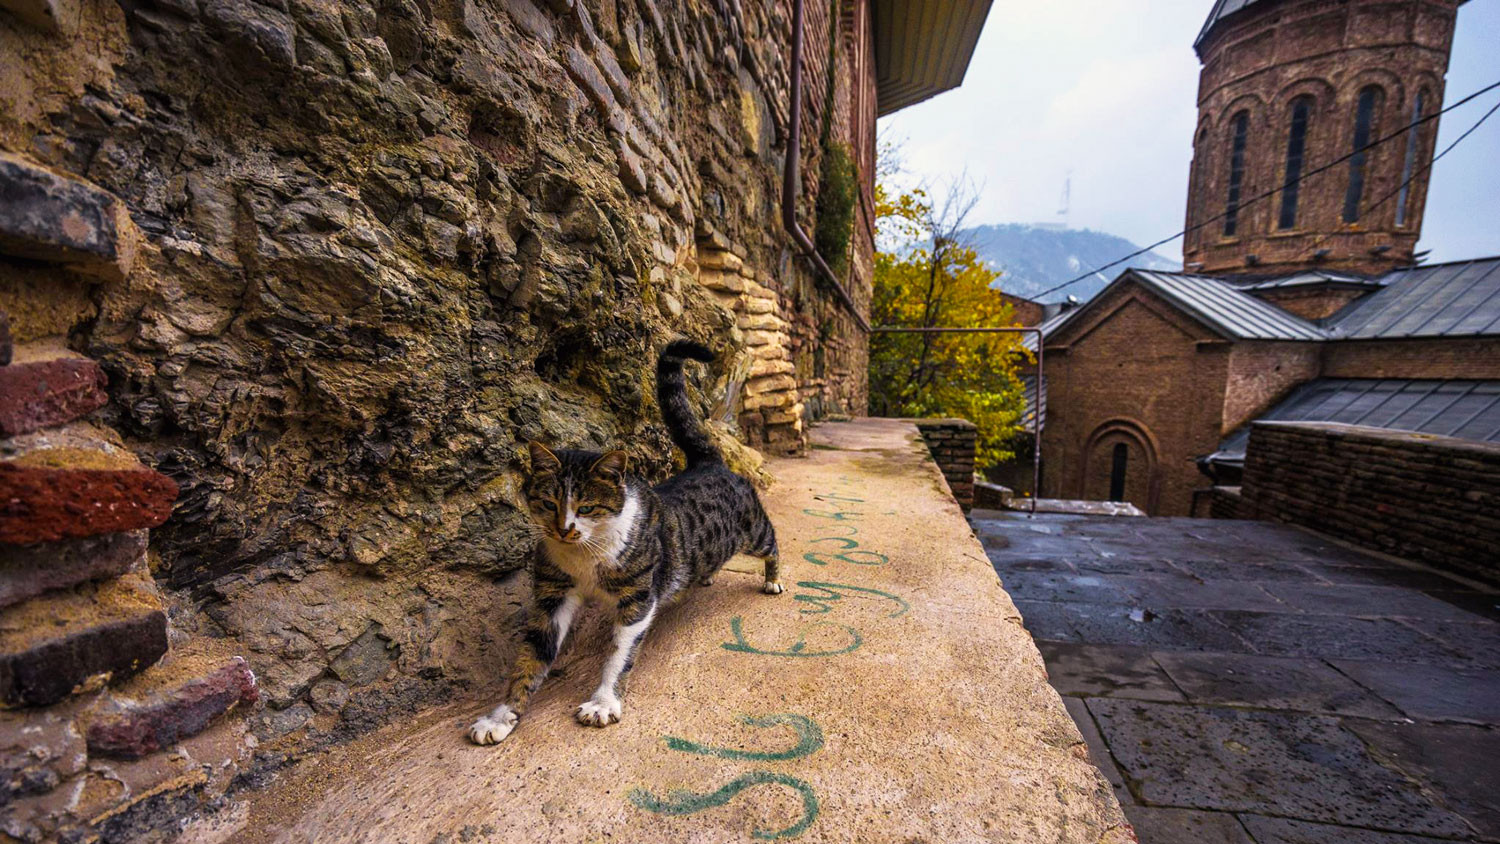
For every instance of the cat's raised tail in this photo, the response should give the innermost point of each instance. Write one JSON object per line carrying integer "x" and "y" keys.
{"x": 671, "y": 393}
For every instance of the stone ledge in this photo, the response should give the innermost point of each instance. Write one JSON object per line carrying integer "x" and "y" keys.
{"x": 53, "y": 644}
{"x": 30, "y": 570}
{"x": 40, "y": 395}
{"x": 168, "y": 716}
{"x": 45, "y": 216}
{"x": 42, "y": 502}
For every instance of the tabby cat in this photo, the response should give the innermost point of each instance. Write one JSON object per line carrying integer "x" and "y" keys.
{"x": 606, "y": 536}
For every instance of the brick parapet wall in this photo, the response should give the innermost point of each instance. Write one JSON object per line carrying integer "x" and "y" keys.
{"x": 952, "y": 443}
{"x": 1426, "y": 498}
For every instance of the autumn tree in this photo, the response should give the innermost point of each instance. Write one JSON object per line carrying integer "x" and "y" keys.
{"x": 926, "y": 276}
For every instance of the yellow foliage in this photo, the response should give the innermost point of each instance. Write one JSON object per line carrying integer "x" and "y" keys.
{"x": 928, "y": 279}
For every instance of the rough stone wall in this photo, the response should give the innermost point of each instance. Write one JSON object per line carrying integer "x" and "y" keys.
{"x": 1426, "y": 498}
{"x": 1168, "y": 408}
{"x": 374, "y": 246}
{"x": 951, "y": 442}
{"x": 1271, "y": 53}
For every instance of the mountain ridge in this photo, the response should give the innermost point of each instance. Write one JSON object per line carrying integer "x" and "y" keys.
{"x": 1033, "y": 258}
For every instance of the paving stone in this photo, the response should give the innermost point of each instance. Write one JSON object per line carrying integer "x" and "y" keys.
{"x": 1431, "y": 692}
{"x": 140, "y": 729}
{"x": 1183, "y": 592}
{"x": 1098, "y": 751}
{"x": 1211, "y": 569}
{"x": 1184, "y": 826}
{"x": 49, "y": 217}
{"x": 52, "y": 643}
{"x": 1046, "y": 621}
{"x": 1111, "y": 671}
{"x": 1066, "y": 588}
{"x": 1365, "y": 601}
{"x": 29, "y": 570}
{"x": 1286, "y": 764}
{"x": 1477, "y": 645}
{"x": 1004, "y": 566}
{"x": 1126, "y": 566}
{"x": 1284, "y": 634}
{"x": 1483, "y": 604}
{"x": 1457, "y": 762}
{"x": 1304, "y": 684}
{"x": 45, "y": 393}
{"x": 1194, "y": 630}
{"x": 1283, "y": 831}
{"x": 1391, "y": 575}
{"x": 44, "y": 504}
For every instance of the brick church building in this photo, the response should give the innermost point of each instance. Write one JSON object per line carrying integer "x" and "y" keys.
{"x": 1309, "y": 304}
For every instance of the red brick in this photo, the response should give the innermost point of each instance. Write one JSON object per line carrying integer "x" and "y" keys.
{"x": 39, "y": 395}
{"x": 43, "y": 504}
{"x": 29, "y": 570}
{"x": 174, "y": 715}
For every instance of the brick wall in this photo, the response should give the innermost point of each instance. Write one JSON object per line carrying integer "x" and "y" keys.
{"x": 1260, "y": 60}
{"x": 1426, "y": 498}
{"x": 951, "y": 443}
{"x": 1442, "y": 357}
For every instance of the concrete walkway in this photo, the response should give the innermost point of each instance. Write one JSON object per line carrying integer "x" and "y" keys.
{"x": 891, "y": 695}
{"x": 1247, "y": 682}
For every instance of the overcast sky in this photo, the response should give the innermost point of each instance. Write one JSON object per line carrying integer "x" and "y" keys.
{"x": 1106, "y": 89}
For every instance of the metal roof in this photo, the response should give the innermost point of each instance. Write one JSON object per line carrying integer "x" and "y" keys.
{"x": 1444, "y": 300}
{"x": 1028, "y": 383}
{"x": 1311, "y": 278}
{"x": 1468, "y": 410}
{"x": 1222, "y": 9}
{"x": 922, "y": 48}
{"x": 1224, "y": 308}
{"x": 1048, "y": 325}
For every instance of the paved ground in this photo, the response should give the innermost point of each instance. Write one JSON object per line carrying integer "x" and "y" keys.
{"x": 1247, "y": 682}
{"x": 890, "y": 695}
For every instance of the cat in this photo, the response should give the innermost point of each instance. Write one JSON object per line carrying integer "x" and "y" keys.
{"x": 607, "y": 536}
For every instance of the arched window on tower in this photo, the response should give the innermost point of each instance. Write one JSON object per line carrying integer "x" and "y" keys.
{"x": 1364, "y": 126}
{"x": 1296, "y": 144}
{"x": 1239, "y": 130}
{"x": 1199, "y": 178}
{"x": 1409, "y": 166}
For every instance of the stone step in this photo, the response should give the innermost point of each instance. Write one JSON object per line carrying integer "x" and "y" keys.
{"x": 55, "y": 643}
{"x": 29, "y": 570}
{"x": 50, "y": 217}
{"x": 50, "y": 392}
{"x": 66, "y": 492}
{"x": 169, "y": 702}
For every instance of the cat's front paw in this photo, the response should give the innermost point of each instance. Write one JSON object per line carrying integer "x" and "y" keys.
{"x": 599, "y": 711}
{"x": 772, "y": 587}
{"x": 494, "y": 727}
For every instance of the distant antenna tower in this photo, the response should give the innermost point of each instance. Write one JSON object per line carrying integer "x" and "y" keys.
{"x": 1067, "y": 198}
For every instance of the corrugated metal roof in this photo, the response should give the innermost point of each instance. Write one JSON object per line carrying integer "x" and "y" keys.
{"x": 1444, "y": 300}
{"x": 1468, "y": 410}
{"x": 1224, "y": 308}
{"x": 1028, "y": 383}
{"x": 1311, "y": 278}
{"x": 1048, "y": 325}
{"x": 922, "y": 48}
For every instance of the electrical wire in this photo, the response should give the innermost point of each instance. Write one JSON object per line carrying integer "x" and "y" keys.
{"x": 1304, "y": 177}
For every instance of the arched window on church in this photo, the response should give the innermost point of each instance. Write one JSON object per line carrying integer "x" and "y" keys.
{"x": 1119, "y": 460}
{"x": 1364, "y": 125}
{"x": 1239, "y": 130}
{"x": 1296, "y": 144}
{"x": 1409, "y": 166}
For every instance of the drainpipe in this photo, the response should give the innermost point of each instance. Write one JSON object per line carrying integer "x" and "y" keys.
{"x": 791, "y": 180}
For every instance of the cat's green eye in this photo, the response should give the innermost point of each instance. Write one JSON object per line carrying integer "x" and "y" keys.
{"x": 587, "y": 509}
{"x": 548, "y": 505}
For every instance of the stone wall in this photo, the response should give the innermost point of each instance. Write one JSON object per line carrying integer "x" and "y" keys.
{"x": 1426, "y": 498}
{"x": 363, "y": 250}
{"x": 951, "y": 443}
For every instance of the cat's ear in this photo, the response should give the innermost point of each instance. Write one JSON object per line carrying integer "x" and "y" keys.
{"x": 611, "y": 465}
{"x": 543, "y": 461}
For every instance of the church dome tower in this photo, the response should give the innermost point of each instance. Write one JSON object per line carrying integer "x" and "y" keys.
{"x": 1289, "y": 85}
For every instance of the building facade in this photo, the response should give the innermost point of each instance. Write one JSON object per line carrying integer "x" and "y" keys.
{"x": 1290, "y": 85}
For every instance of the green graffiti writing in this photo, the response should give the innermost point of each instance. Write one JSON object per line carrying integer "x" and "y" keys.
{"x": 831, "y": 593}
{"x": 799, "y": 649}
{"x": 818, "y": 559}
{"x": 836, "y": 515}
{"x": 682, "y": 802}
{"x": 809, "y": 740}
{"x": 849, "y": 543}
{"x": 833, "y": 496}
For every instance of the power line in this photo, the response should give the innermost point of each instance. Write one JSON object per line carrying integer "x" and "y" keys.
{"x": 1305, "y": 176}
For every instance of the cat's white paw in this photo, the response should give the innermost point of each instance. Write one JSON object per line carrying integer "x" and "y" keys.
{"x": 494, "y": 727}
{"x": 600, "y": 711}
{"x": 772, "y": 587}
